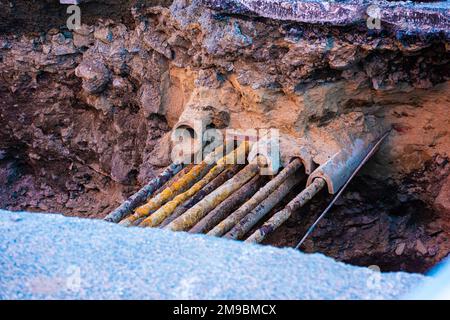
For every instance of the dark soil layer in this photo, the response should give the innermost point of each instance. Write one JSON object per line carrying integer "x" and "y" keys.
{"x": 85, "y": 116}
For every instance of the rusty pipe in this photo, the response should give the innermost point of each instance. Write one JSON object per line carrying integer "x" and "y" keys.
{"x": 139, "y": 197}
{"x": 176, "y": 177}
{"x": 165, "y": 210}
{"x": 281, "y": 216}
{"x": 176, "y": 188}
{"x": 210, "y": 187}
{"x": 193, "y": 215}
{"x": 229, "y": 205}
{"x": 254, "y": 216}
{"x": 224, "y": 226}
{"x": 168, "y": 208}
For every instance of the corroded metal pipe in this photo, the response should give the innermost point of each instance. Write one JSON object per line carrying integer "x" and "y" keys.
{"x": 139, "y": 197}
{"x": 193, "y": 215}
{"x": 262, "y": 194}
{"x": 254, "y": 216}
{"x": 229, "y": 205}
{"x": 176, "y": 177}
{"x": 176, "y": 188}
{"x": 168, "y": 208}
{"x": 210, "y": 187}
{"x": 281, "y": 216}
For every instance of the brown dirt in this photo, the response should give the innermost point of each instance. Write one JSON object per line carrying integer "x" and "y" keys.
{"x": 85, "y": 116}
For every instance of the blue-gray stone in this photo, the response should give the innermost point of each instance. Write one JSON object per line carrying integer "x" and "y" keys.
{"x": 46, "y": 256}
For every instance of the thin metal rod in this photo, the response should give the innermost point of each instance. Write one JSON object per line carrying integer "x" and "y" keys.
{"x": 139, "y": 197}
{"x": 355, "y": 172}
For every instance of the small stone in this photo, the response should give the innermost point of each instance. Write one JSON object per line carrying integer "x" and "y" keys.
{"x": 43, "y": 206}
{"x": 420, "y": 247}
{"x": 433, "y": 250}
{"x": 442, "y": 201}
{"x": 95, "y": 75}
{"x": 440, "y": 160}
{"x": 81, "y": 41}
{"x": 104, "y": 34}
{"x": 400, "y": 249}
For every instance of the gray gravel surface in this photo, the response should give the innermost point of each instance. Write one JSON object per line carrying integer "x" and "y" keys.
{"x": 48, "y": 256}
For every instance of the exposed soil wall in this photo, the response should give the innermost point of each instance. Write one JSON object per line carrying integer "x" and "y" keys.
{"x": 85, "y": 115}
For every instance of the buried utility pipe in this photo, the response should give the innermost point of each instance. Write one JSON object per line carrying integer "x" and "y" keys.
{"x": 176, "y": 188}
{"x": 210, "y": 187}
{"x": 336, "y": 173}
{"x": 194, "y": 214}
{"x": 254, "y": 216}
{"x": 167, "y": 209}
{"x": 369, "y": 154}
{"x": 175, "y": 178}
{"x": 139, "y": 197}
{"x": 281, "y": 216}
{"x": 229, "y": 205}
{"x": 225, "y": 226}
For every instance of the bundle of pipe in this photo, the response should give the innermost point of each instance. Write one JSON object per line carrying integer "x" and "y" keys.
{"x": 139, "y": 197}
{"x": 335, "y": 173}
{"x": 220, "y": 197}
{"x": 179, "y": 186}
{"x": 167, "y": 209}
{"x": 198, "y": 211}
{"x": 228, "y": 223}
{"x": 199, "y": 199}
{"x": 280, "y": 217}
{"x": 210, "y": 187}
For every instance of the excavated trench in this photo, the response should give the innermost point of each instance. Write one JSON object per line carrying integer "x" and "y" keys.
{"x": 86, "y": 115}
